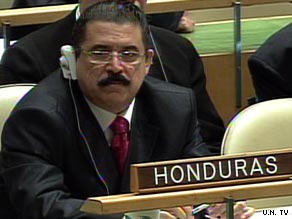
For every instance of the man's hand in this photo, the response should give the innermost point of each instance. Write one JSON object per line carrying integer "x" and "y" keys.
{"x": 177, "y": 213}
{"x": 216, "y": 211}
{"x": 241, "y": 211}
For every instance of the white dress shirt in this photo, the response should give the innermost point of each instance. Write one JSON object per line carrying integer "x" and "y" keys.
{"x": 105, "y": 118}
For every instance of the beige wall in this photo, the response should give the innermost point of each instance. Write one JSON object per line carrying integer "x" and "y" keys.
{"x": 221, "y": 83}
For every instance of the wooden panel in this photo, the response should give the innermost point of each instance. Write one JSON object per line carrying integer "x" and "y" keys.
{"x": 221, "y": 83}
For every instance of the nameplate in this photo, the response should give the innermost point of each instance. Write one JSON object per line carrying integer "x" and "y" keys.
{"x": 211, "y": 171}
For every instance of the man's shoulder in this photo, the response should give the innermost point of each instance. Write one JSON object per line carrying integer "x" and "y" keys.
{"x": 160, "y": 96}
{"x": 49, "y": 93}
{"x": 158, "y": 86}
{"x": 36, "y": 55}
{"x": 172, "y": 45}
{"x": 275, "y": 50}
{"x": 58, "y": 30}
{"x": 278, "y": 42}
{"x": 167, "y": 35}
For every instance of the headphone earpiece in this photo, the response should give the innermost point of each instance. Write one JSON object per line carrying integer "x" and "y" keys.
{"x": 68, "y": 62}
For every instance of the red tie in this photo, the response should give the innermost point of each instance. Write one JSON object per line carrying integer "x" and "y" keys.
{"x": 121, "y": 141}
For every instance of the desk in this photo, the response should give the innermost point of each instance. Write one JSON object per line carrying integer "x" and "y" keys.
{"x": 134, "y": 202}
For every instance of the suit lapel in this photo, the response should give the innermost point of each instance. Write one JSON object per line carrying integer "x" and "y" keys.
{"x": 143, "y": 139}
{"x": 94, "y": 146}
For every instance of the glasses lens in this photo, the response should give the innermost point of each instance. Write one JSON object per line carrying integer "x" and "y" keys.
{"x": 129, "y": 56}
{"x": 99, "y": 56}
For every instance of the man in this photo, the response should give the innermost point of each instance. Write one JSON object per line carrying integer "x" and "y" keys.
{"x": 59, "y": 142}
{"x": 62, "y": 150}
{"x": 271, "y": 66}
{"x": 37, "y": 55}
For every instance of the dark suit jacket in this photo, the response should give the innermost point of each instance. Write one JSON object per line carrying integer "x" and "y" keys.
{"x": 271, "y": 66}
{"x": 34, "y": 3}
{"x": 18, "y": 32}
{"x": 47, "y": 166}
{"x": 37, "y": 55}
{"x": 168, "y": 20}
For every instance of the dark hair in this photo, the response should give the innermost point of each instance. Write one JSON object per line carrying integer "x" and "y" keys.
{"x": 111, "y": 11}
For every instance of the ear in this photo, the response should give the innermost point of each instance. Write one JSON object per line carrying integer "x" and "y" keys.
{"x": 149, "y": 58}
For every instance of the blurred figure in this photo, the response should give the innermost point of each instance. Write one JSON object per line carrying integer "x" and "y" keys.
{"x": 271, "y": 66}
{"x": 179, "y": 22}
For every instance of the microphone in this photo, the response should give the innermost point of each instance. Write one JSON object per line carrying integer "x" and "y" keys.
{"x": 200, "y": 208}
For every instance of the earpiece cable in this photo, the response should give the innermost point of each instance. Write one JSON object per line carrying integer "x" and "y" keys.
{"x": 158, "y": 55}
{"x": 85, "y": 140}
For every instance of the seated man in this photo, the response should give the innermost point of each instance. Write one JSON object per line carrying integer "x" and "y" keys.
{"x": 37, "y": 55}
{"x": 72, "y": 139}
{"x": 271, "y": 66}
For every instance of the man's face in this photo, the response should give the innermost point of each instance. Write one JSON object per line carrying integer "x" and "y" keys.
{"x": 86, "y": 3}
{"x": 112, "y": 85}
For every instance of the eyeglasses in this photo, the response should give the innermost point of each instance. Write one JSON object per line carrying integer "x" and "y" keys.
{"x": 103, "y": 56}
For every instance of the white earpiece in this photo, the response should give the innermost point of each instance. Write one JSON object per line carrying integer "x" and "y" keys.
{"x": 68, "y": 62}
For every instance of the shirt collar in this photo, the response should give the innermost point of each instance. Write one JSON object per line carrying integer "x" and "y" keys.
{"x": 105, "y": 118}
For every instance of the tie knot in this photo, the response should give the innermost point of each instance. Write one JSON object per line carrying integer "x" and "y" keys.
{"x": 120, "y": 125}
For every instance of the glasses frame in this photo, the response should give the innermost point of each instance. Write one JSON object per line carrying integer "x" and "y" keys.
{"x": 111, "y": 54}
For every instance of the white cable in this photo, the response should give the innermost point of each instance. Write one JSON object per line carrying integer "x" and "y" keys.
{"x": 85, "y": 140}
{"x": 158, "y": 55}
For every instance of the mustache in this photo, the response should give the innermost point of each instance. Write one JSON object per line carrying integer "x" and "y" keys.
{"x": 114, "y": 79}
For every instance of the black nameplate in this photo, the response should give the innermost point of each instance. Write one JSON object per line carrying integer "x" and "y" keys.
{"x": 211, "y": 171}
